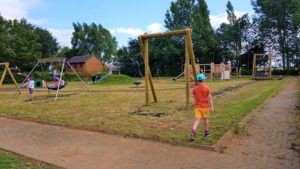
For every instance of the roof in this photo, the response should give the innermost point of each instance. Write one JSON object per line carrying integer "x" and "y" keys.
{"x": 79, "y": 59}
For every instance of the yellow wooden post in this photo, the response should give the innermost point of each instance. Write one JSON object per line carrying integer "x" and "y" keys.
{"x": 270, "y": 65}
{"x": 254, "y": 66}
{"x": 146, "y": 61}
{"x": 212, "y": 67}
{"x": 13, "y": 78}
{"x": 191, "y": 53}
{"x": 150, "y": 76}
{"x": 3, "y": 75}
{"x": 187, "y": 74}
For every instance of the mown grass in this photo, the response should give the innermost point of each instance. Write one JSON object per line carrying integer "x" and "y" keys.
{"x": 296, "y": 140}
{"x": 121, "y": 108}
{"x": 12, "y": 161}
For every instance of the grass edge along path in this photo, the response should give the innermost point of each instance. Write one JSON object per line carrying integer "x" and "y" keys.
{"x": 296, "y": 135}
{"x": 11, "y": 160}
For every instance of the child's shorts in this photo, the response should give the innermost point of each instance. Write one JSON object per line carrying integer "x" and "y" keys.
{"x": 30, "y": 90}
{"x": 201, "y": 113}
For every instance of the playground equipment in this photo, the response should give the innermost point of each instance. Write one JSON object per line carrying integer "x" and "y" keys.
{"x": 64, "y": 63}
{"x": 224, "y": 70}
{"x": 264, "y": 72}
{"x": 189, "y": 59}
{"x": 103, "y": 77}
{"x": 190, "y": 73}
{"x": 7, "y": 69}
{"x": 137, "y": 83}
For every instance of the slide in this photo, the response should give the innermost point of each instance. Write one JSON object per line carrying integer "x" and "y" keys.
{"x": 103, "y": 77}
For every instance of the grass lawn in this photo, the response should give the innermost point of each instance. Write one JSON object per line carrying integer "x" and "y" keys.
{"x": 12, "y": 161}
{"x": 121, "y": 108}
{"x": 296, "y": 140}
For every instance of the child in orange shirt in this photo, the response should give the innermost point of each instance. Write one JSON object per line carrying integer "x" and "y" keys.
{"x": 203, "y": 104}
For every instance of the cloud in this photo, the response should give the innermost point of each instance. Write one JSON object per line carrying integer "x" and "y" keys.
{"x": 155, "y": 28}
{"x": 128, "y": 31}
{"x": 217, "y": 20}
{"x": 63, "y": 36}
{"x": 17, "y": 9}
{"x": 39, "y": 22}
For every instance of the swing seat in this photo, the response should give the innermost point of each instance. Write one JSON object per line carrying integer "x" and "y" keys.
{"x": 55, "y": 87}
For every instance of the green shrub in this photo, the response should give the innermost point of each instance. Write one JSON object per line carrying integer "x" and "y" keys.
{"x": 117, "y": 79}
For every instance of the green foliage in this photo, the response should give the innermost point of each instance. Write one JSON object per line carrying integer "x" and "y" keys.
{"x": 180, "y": 14}
{"x": 10, "y": 161}
{"x": 22, "y": 44}
{"x": 48, "y": 42}
{"x": 279, "y": 26}
{"x": 65, "y": 52}
{"x": 129, "y": 58}
{"x": 93, "y": 39}
{"x": 231, "y": 36}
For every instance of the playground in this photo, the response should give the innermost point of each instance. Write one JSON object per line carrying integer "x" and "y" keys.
{"x": 120, "y": 108}
{"x": 63, "y": 146}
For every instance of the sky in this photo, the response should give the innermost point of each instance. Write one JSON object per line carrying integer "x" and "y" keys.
{"x": 125, "y": 19}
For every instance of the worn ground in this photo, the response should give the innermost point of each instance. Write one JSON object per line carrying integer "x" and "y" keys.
{"x": 265, "y": 145}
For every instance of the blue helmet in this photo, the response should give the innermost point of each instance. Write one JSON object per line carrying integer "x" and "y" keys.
{"x": 200, "y": 77}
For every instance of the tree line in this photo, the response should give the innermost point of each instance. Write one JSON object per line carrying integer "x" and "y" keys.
{"x": 273, "y": 28}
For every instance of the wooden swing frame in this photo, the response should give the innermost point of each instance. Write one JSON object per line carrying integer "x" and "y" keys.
{"x": 64, "y": 63}
{"x": 7, "y": 69}
{"x": 189, "y": 58}
{"x": 255, "y": 65}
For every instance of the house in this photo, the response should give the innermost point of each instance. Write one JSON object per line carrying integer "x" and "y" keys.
{"x": 88, "y": 63}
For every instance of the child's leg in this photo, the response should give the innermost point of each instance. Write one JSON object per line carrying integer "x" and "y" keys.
{"x": 206, "y": 132}
{"x": 30, "y": 94}
{"x": 196, "y": 123}
{"x": 206, "y": 124}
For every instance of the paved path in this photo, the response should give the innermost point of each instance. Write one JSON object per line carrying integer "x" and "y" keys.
{"x": 266, "y": 146}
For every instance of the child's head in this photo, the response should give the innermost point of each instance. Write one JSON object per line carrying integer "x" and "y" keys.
{"x": 200, "y": 77}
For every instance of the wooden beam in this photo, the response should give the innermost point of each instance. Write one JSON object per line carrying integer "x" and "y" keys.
{"x": 187, "y": 75}
{"x": 171, "y": 33}
{"x": 191, "y": 53}
{"x": 146, "y": 63}
{"x": 13, "y": 78}
{"x": 254, "y": 66}
{"x": 3, "y": 76}
{"x": 270, "y": 65}
{"x": 4, "y": 63}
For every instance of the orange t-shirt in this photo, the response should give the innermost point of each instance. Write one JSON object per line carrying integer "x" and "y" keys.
{"x": 201, "y": 92}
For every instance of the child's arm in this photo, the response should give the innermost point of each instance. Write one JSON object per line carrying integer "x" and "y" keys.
{"x": 25, "y": 85}
{"x": 210, "y": 102}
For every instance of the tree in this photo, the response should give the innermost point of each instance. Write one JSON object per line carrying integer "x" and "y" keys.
{"x": 233, "y": 35}
{"x": 129, "y": 59}
{"x": 194, "y": 14}
{"x": 19, "y": 43}
{"x": 180, "y": 14}
{"x": 204, "y": 43}
{"x": 93, "y": 39}
{"x": 48, "y": 42}
{"x": 65, "y": 52}
{"x": 279, "y": 26}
